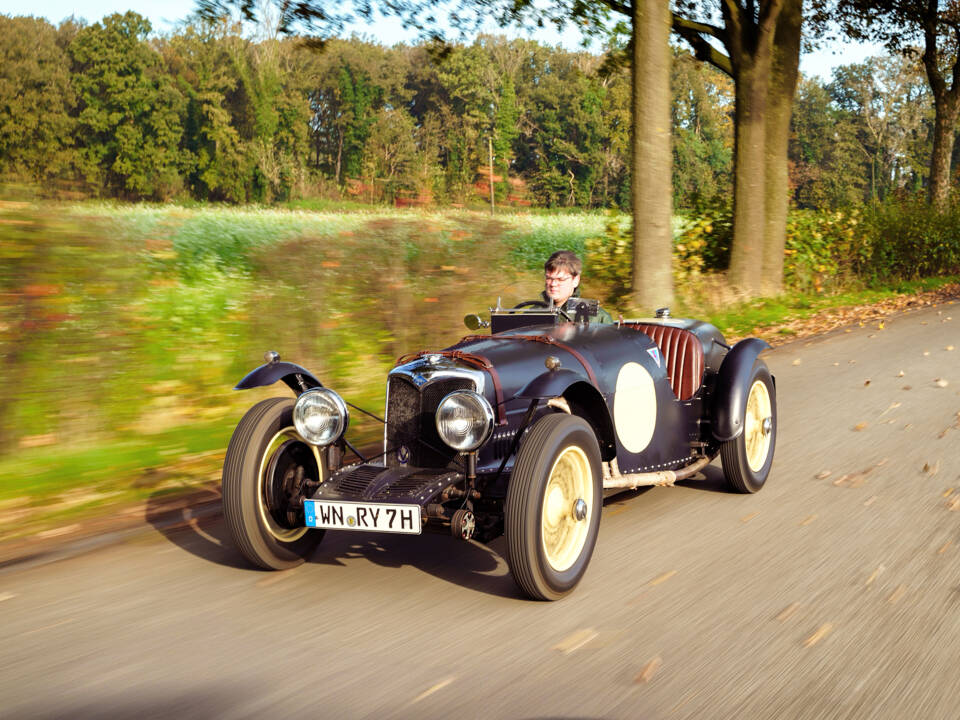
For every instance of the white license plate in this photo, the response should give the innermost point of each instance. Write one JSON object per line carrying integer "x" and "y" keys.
{"x": 373, "y": 517}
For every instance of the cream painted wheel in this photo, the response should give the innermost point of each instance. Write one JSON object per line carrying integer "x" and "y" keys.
{"x": 552, "y": 511}
{"x": 562, "y": 533}
{"x": 757, "y": 425}
{"x": 265, "y": 472}
{"x": 747, "y": 458}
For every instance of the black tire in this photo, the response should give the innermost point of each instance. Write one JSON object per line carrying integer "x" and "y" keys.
{"x": 548, "y": 556}
{"x": 259, "y": 471}
{"x": 747, "y": 458}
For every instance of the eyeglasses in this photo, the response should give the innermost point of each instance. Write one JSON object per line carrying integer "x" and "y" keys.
{"x": 556, "y": 279}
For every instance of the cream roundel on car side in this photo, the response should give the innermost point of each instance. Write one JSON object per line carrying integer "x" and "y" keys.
{"x": 635, "y": 407}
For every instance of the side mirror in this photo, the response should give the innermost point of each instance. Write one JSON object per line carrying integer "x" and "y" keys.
{"x": 475, "y": 322}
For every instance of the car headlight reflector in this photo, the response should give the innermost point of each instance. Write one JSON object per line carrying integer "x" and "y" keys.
{"x": 464, "y": 420}
{"x": 320, "y": 416}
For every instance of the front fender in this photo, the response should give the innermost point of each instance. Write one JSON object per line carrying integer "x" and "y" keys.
{"x": 550, "y": 384}
{"x": 297, "y": 378}
{"x": 730, "y": 393}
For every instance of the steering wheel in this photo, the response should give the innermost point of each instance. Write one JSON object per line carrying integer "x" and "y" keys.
{"x": 542, "y": 304}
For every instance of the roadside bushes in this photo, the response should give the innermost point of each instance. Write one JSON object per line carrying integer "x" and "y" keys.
{"x": 824, "y": 251}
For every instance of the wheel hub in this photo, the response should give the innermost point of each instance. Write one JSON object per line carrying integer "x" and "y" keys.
{"x": 579, "y": 509}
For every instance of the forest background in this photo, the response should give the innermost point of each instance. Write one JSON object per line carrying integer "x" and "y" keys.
{"x": 176, "y": 204}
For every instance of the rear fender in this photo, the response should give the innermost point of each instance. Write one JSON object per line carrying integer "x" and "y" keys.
{"x": 297, "y": 378}
{"x": 730, "y": 393}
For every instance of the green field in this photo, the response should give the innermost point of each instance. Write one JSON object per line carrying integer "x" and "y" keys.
{"x": 124, "y": 328}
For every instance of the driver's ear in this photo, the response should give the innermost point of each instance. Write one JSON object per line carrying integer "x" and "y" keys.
{"x": 576, "y": 281}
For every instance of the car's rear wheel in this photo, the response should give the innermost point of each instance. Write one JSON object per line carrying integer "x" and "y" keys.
{"x": 553, "y": 506}
{"x": 747, "y": 458}
{"x": 264, "y": 472}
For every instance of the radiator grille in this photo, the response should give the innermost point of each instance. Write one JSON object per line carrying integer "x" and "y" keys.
{"x": 410, "y": 418}
{"x": 357, "y": 481}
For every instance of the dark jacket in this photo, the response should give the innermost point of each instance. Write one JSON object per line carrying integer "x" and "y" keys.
{"x": 602, "y": 315}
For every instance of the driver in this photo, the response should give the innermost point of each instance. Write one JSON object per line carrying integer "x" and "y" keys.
{"x": 561, "y": 278}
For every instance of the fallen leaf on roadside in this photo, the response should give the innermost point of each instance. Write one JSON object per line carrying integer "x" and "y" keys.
{"x": 859, "y": 426}
{"x": 836, "y": 364}
{"x": 907, "y": 387}
{"x": 823, "y": 474}
{"x": 748, "y": 518}
{"x": 944, "y": 547}
{"x": 575, "y": 641}
{"x": 649, "y": 670}
{"x": 875, "y": 574}
{"x": 893, "y": 406}
{"x": 948, "y": 348}
{"x": 788, "y": 611}
{"x": 870, "y": 501}
{"x": 807, "y": 520}
{"x": 897, "y": 594}
{"x": 908, "y": 426}
{"x": 947, "y": 493}
{"x": 953, "y": 505}
{"x": 866, "y": 382}
{"x": 940, "y": 382}
{"x": 880, "y": 325}
{"x": 926, "y": 353}
{"x": 663, "y": 578}
{"x": 841, "y": 480}
{"x": 900, "y": 374}
{"x": 931, "y": 469}
{"x": 819, "y": 635}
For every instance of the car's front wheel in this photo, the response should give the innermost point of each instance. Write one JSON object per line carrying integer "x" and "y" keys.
{"x": 747, "y": 458}
{"x": 264, "y": 473}
{"x": 553, "y": 506}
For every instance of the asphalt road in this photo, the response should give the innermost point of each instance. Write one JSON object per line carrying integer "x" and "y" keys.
{"x": 823, "y": 596}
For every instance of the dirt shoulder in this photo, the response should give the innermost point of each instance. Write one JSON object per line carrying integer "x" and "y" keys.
{"x": 169, "y": 512}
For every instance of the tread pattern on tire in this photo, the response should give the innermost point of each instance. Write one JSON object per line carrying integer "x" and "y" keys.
{"x": 524, "y": 574}
{"x": 236, "y": 457}
{"x": 730, "y": 450}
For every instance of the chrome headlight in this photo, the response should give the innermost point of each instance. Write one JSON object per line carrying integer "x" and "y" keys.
{"x": 320, "y": 416}
{"x": 464, "y": 420}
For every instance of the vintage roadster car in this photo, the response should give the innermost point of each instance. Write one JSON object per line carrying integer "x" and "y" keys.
{"x": 520, "y": 432}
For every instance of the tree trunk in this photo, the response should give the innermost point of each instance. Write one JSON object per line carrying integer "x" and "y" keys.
{"x": 783, "y": 86}
{"x": 943, "y": 135}
{"x": 749, "y": 186}
{"x": 650, "y": 188}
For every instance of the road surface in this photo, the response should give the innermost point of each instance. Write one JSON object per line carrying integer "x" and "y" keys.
{"x": 833, "y": 593}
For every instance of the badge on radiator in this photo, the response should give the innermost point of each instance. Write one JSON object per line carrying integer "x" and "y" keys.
{"x": 403, "y": 455}
{"x": 655, "y": 354}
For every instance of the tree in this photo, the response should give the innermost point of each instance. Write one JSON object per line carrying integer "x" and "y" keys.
{"x": 199, "y": 60}
{"x": 36, "y": 102}
{"x": 129, "y": 125}
{"x": 652, "y": 281}
{"x": 762, "y": 43}
{"x": 901, "y": 24}
{"x": 888, "y": 98}
{"x": 651, "y": 159}
{"x": 702, "y": 133}
{"x": 828, "y": 167}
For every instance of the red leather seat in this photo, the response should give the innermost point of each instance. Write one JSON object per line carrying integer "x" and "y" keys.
{"x": 683, "y": 354}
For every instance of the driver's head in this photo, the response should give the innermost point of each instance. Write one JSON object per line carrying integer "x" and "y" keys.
{"x": 561, "y": 275}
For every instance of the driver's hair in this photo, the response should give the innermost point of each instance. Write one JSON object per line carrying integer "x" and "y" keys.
{"x": 564, "y": 260}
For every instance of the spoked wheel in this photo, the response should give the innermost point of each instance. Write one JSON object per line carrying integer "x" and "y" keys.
{"x": 264, "y": 474}
{"x": 553, "y": 506}
{"x": 747, "y": 458}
